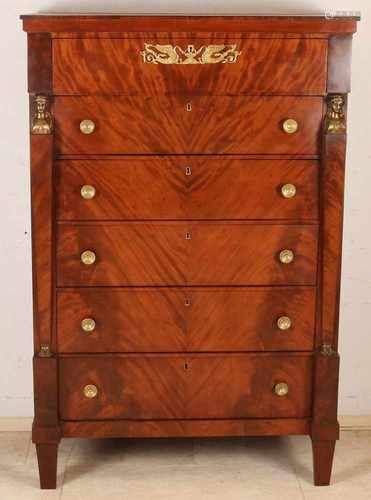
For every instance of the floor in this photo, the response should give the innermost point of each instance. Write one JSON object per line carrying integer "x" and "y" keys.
{"x": 228, "y": 469}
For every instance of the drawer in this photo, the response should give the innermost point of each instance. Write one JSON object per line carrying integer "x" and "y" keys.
{"x": 132, "y": 125}
{"x": 186, "y": 188}
{"x": 181, "y": 387}
{"x": 158, "y": 66}
{"x": 186, "y": 254}
{"x": 186, "y": 319}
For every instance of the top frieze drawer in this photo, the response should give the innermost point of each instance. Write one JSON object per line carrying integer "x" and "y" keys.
{"x": 214, "y": 66}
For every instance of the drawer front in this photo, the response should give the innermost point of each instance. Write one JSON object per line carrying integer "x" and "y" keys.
{"x": 180, "y": 387}
{"x": 151, "y": 66}
{"x": 187, "y": 319}
{"x": 208, "y": 125}
{"x": 186, "y": 254}
{"x": 186, "y": 188}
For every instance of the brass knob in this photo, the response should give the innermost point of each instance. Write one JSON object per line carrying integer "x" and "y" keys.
{"x": 88, "y": 257}
{"x": 87, "y": 192}
{"x": 284, "y": 323}
{"x": 288, "y": 190}
{"x": 90, "y": 391}
{"x": 88, "y": 325}
{"x": 286, "y": 256}
{"x": 281, "y": 389}
{"x": 87, "y": 127}
{"x": 290, "y": 126}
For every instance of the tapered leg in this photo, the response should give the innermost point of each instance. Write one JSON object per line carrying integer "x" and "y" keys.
{"x": 323, "y": 454}
{"x": 47, "y": 458}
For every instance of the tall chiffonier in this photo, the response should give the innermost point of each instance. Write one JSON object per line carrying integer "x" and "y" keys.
{"x": 187, "y": 197}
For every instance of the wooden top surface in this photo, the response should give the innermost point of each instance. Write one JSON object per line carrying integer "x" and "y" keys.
{"x": 333, "y": 22}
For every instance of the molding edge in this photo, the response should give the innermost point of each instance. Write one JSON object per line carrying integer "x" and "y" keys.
{"x": 347, "y": 423}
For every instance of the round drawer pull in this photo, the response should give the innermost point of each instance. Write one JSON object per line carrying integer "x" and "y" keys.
{"x": 87, "y": 126}
{"x": 284, "y": 323}
{"x": 288, "y": 191}
{"x": 286, "y": 256}
{"x": 281, "y": 389}
{"x": 88, "y": 257}
{"x": 290, "y": 126}
{"x": 88, "y": 325}
{"x": 87, "y": 192}
{"x": 90, "y": 391}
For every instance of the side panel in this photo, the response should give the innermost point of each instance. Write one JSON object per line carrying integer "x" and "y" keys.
{"x": 325, "y": 427}
{"x": 46, "y": 426}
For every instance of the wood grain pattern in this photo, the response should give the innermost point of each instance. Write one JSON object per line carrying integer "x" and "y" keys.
{"x": 323, "y": 455}
{"x": 182, "y": 35}
{"x": 160, "y": 254}
{"x": 171, "y": 23}
{"x": 39, "y": 63}
{"x": 115, "y": 66}
{"x": 325, "y": 426}
{"x": 195, "y": 360}
{"x": 46, "y": 432}
{"x": 45, "y": 425}
{"x": 186, "y": 319}
{"x": 42, "y": 237}
{"x": 47, "y": 454}
{"x": 339, "y": 64}
{"x": 185, "y": 428}
{"x": 132, "y": 125}
{"x": 195, "y": 386}
{"x": 332, "y": 185}
{"x": 188, "y": 188}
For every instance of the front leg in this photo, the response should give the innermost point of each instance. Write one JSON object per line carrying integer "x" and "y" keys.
{"x": 47, "y": 459}
{"x": 323, "y": 454}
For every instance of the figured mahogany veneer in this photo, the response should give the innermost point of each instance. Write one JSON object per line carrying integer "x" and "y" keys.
{"x": 215, "y": 125}
{"x": 186, "y": 188}
{"x": 160, "y": 254}
{"x": 186, "y": 319}
{"x": 241, "y": 386}
{"x": 116, "y": 66}
{"x": 192, "y": 126}
{"x": 185, "y": 428}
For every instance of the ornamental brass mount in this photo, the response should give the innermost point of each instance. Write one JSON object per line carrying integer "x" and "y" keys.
{"x": 44, "y": 351}
{"x": 335, "y": 118}
{"x": 327, "y": 350}
{"x": 42, "y": 122}
{"x": 207, "y": 54}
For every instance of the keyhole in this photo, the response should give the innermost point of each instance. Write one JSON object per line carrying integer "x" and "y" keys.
{"x": 189, "y": 106}
{"x": 187, "y": 302}
{"x": 188, "y": 171}
{"x": 188, "y": 236}
{"x": 185, "y": 366}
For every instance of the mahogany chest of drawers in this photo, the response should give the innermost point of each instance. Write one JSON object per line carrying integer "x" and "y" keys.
{"x": 187, "y": 195}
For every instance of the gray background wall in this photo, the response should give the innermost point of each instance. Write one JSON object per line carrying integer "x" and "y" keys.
{"x": 15, "y": 240}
